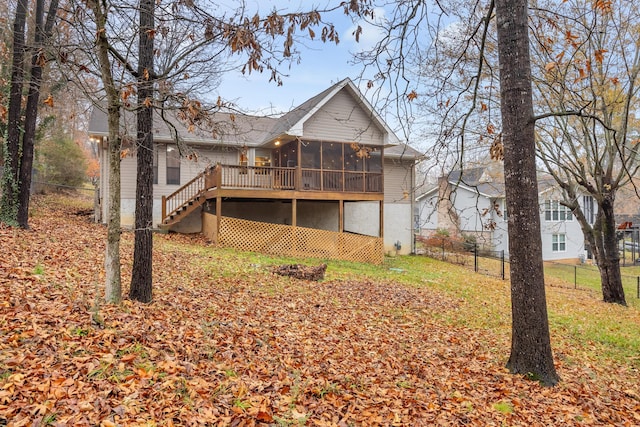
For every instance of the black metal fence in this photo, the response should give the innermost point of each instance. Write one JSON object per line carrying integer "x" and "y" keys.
{"x": 585, "y": 276}
{"x": 490, "y": 263}
{"x": 494, "y": 263}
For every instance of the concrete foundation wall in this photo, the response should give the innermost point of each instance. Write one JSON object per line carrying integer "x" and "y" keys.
{"x": 128, "y": 211}
{"x": 319, "y": 215}
{"x": 398, "y": 228}
{"x": 362, "y": 218}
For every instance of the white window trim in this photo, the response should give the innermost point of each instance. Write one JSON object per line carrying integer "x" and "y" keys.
{"x": 554, "y": 206}
{"x": 558, "y": 240}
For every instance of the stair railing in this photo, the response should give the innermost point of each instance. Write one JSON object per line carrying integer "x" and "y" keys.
{"x": 190, "y": 191}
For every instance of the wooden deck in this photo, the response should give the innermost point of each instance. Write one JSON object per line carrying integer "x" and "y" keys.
{"x": 271, "y": 183}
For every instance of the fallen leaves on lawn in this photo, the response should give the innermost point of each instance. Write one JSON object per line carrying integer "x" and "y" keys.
{"x": 256, "y": 349}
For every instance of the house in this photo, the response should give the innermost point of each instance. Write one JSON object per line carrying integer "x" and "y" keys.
{"x": 470, "y": 204}
{"x": 329, "y": 176}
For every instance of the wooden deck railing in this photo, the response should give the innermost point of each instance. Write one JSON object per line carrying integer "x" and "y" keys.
{"x": 342, "y": 181}
{"x": 270, "y": 178}
{"x": 190, "y": 191}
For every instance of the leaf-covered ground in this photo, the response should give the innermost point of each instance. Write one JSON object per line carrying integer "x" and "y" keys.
{"x": 226, "y": 342}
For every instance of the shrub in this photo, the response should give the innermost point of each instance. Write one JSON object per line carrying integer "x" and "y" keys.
{"x": 59, "y": 160}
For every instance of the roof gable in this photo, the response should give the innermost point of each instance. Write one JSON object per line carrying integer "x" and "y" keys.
{"x": 292, "y": 123}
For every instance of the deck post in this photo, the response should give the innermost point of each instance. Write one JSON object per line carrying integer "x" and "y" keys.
{"x": 294, "y": 212}
{"x": 298, "y": 179}
{"x": 294, "y": 229}
{"x": 341, "y": 215}
{"x": 218, "y": 171}
{"x": 164, "y": 208}
{"x": 218, "y": 217}
{"x": 381, "y": 218}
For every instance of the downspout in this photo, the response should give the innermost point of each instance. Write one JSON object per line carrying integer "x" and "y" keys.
{"x": 412, "y": 194}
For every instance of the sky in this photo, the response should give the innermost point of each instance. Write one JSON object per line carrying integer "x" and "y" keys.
{"x": 322, "y": 65}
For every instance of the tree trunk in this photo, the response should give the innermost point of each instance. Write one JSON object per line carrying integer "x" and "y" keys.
{"x": 11, "y": 173}
{"x": 607, "y": 255}
{"x": 530, "y": 342}
{"x": 31, "y": 112}
{"x": 113, "y": 284}
{"x": 141, "y": 278}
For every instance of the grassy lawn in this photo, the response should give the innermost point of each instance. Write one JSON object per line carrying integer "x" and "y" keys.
{"x": 225, "y": 341}
{"x": 588, "y": 277}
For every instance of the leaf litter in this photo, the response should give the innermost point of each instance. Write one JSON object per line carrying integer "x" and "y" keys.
{"x": 257, "y": 349}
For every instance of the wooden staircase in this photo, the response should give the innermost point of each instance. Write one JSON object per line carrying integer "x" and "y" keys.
{"x": 179, "y": 204}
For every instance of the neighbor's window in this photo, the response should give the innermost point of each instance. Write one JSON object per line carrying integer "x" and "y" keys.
{"x": 589, "y": 209}
{"x": 558, "y": 243}
{"x": 554, "y": 211}
{"x": 173, "y": 165}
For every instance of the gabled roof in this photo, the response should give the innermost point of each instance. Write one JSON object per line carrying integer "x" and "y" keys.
{"x": 292, "y": 123}
{"x": 487, "y": 181}
{"x": 431, "y": 190}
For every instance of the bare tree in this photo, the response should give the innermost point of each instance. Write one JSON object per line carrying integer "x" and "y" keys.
{"x": 530, "y": 340}
{"x": 457, "y": 61}
{"x": 587, "y": 86}
{"x": 38, "y": 60}
{"x": 16, "y": 183}
{"x": 141, "y": 280}
{"x": 190, "y": 41}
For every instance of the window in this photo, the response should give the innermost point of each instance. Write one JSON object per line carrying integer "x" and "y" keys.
{"x": 332, "y": 156}
{"x": 558, "y": 243}
{"x": 588, "y": 209}
{"x": 155, "y": 164}
{"x": 311, "y": 154}
{"x": 263, "y": 161}
{"x": 173, "y": 165}
{"x": 353, "y": 157}
{"x": 554, "y": 211}
{"x": 373, "y": 163}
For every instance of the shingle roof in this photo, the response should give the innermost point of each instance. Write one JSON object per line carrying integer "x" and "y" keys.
{"x": 290, "y": 119}
{"x": 248, "y": 130}
{"x": 242, "y": 130}
{"x": 489, "y": 180}
{"x": 402, "y": 151}
{"x": 483, "y": 179}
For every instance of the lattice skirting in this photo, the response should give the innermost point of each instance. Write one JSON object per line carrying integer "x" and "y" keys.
{"x": 279, "y": 239}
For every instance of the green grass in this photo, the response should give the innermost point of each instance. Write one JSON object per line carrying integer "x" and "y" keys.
{"x": 588, "y": 277}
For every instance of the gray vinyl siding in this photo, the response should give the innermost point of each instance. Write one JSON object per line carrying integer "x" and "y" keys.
{"x": 189, "y": 168}
{"x": 128, "y": 177}
{"x": 343, "y": 119}
{"x": 398, "y": 181}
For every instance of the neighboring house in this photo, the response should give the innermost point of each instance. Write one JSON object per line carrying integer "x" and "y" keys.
{"x": 331, "y": 164}
{"x": 471, "y": 204}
